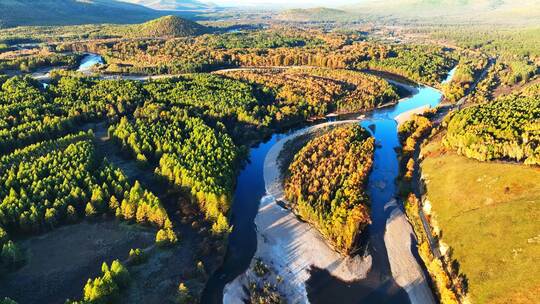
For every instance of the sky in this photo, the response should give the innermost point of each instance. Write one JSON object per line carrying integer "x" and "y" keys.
{"x": 287, "y": 3}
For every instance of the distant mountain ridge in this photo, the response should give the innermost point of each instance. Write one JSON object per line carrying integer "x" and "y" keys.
{"x": 312, "y": 14}
{"x": 489, "y": 10}
{"x": 173, "y": 5}
{"x": 421, "y": 11}
{"x": 435, "y": 4}
{"x": 70, "y": 12}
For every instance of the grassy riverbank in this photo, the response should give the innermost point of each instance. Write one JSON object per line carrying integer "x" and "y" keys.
{"x": 488, "y": 213}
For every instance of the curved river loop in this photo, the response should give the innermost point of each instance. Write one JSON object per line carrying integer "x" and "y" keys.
{"x": 381, "y": 283}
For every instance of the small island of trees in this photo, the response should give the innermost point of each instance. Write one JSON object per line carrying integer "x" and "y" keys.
{"x": 327, "y": 181}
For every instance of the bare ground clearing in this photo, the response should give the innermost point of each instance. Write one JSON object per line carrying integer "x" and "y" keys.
{"x": 60, "y": 262}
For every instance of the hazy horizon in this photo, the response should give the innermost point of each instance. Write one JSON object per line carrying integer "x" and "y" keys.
{"x": 284, "y": 3}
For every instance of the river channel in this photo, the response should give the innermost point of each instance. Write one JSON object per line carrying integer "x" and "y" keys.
{"x": 379, "y": 286}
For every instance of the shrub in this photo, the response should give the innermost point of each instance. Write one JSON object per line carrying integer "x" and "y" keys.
{"x": 11, "y": 256}
{"x": 105, "y": 289}
{"x": 183, "y": 295}
{"x": 166, "y": 237}
{"x": 137, "y": 256}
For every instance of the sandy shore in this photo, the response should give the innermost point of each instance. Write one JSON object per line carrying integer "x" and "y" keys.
{"x": 403, "y": 117}
{"x": 290, "y": 247}
{"x": 405, "y": 269}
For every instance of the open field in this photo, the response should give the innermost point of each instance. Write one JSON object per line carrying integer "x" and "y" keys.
{"x": 60, "y": 262}
{"x": 166, "y": 268}
{"x": 488, "y": 213}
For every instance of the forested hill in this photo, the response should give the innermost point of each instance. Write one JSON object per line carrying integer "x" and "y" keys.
{"x": 67, "y": 12}
{"x": 170, "y": 26}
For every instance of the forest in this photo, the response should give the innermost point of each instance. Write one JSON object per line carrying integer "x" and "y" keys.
{"x": 30, "y": 114}
{"x": 468, "y": 69}
{"x": 485, "y": 90}
{"x": 52, "y": 174}
{"x": 516, "y": 49}
{"x": 506, "y": 128}
{"x": 299, "y": 47}
{"x": 326, "y": 184}
{"x": 411, "y": 133}
{"x": 319, "y": 91}
{"x": 263, "y": 40}
{"x": 421, "y": 63}
{"x": 60, "y": 181}
{"x": 191, "y": 155}
{"x": 34, "y": 61}
{"x": 245, "y": 110}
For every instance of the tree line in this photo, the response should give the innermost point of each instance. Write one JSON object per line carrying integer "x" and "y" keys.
{"x": 468, "y": 70}
{"x": 315, "y": 92}
{"x": 29, "y": 113}
{"x": 424, "y": 63}
{"x": 190, "y": 154}
{"x": 421, "y": 63}
{"x": 33, "y": 62}
{"x": 410, "y": 134}
{"x": 244, "y": 109}
{"x": 59, "y": 181}
{"x": 105, "y": 288}
{"x": 506, "y": 128}
{"x": 516, "y": 48}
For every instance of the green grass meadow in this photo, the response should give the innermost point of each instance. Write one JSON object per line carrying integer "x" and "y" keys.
{"x": 489, "y": 213}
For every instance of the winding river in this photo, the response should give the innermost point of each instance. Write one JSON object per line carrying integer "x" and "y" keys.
{"x": 379, "y": 286}
{"x": 85, "y": 66}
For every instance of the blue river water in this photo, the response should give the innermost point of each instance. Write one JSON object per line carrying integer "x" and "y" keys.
{"x": 383, "y": 126}
{"x": 88, "y": 61}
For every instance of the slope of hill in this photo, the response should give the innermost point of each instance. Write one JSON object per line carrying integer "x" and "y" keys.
{"x": 170, "y": 26}
{"x": 173, "y": 5}
{"x": 67, "y": 12}
{"x": 312, "y": 14}
{"x": 492, "y": 11}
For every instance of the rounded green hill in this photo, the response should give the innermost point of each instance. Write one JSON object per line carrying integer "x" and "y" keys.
{"x": 170, "y": 26}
